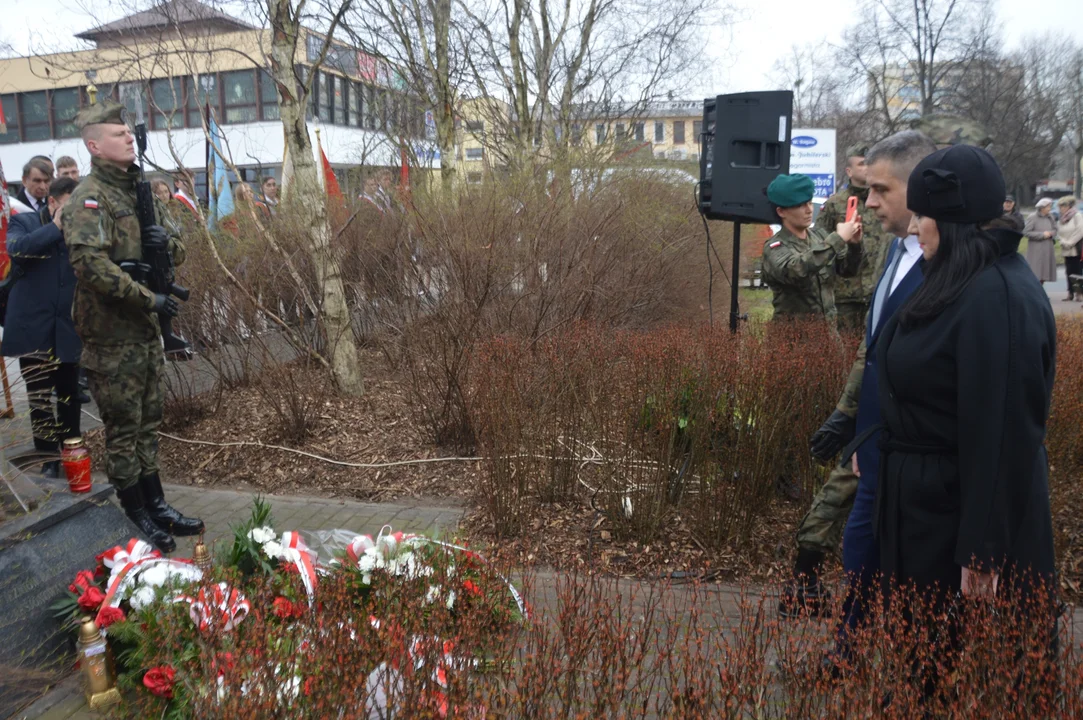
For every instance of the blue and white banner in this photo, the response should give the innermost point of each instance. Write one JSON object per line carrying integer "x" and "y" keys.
{"x": 812, "y": 153}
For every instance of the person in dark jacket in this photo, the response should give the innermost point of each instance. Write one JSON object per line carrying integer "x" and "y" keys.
{"x": 1012, "y": 213}
{"x": 965, "y": 374}
{"x": 38, "y": 327}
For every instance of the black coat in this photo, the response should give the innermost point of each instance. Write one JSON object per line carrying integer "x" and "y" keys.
{"x": 964, "y": 400}
{"x": 38, "y": 317}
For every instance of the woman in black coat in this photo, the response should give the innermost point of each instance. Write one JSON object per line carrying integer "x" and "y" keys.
{"x": 966, "y": 375}
{"x": 38, "y": 327}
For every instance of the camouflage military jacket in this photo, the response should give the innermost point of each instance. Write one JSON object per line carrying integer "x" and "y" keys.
{"x": 874, "y": 245}
{"x": 801, "y": 273}
{"x": 101, "y": 229}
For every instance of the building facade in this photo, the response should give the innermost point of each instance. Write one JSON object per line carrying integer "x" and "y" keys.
{"x": 181, "y": 58}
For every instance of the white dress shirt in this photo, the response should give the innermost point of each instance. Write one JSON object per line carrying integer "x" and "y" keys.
{"x": 911, "y": 255}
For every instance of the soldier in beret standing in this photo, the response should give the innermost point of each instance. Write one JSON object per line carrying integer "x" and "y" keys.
{"x": 800, "y": 262}
{"x": 116, "y": 318}
{"x": 852, "y": 294}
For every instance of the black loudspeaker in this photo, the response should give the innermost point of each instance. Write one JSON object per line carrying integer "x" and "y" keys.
{"x": 746, "y": 144}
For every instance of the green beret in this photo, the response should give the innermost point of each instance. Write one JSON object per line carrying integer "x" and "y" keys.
{"x": 102, "y": 113}
{"x": 791, "y": 190}
{"x": 857, "y": 150}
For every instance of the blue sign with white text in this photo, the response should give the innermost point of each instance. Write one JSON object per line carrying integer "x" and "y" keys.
{"x": 825, "y": 185}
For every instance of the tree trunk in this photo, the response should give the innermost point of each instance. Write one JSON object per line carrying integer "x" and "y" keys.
{"x": 307, "y": 202}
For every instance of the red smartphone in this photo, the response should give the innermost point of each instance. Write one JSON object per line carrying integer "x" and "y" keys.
{"x": 851, "y": 209}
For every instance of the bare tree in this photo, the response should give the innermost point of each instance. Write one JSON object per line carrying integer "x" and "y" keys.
{"x": 415, "y": 38}
{"x": 559, "y": 63}
{"x": 912, "y": 53}
{"x": 1022, "y": 100}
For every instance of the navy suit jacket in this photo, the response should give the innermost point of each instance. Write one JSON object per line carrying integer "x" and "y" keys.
{"x": 38, "y": 320}
{"x": 868, "y": 404}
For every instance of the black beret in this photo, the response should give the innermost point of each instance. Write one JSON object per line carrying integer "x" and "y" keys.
{"x": 960, "y": 184}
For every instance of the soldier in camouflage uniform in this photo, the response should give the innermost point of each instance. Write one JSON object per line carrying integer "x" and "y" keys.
{"x": 852, "y": 293}
{"x": 948, "y": 130}
{"x": 116, "y": 318}
{"x": 800, "y": 262}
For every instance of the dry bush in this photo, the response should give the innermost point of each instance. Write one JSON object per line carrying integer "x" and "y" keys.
{"x": 603, "y": 648}
{"x": 649, "y": 424}
{"x": 515, "y": 259}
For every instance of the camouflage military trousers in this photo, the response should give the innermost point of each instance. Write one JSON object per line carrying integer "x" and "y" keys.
{"x": 126, "y": 383}
{"x": 851, "y": 315}
{"x": 821, "y": 528}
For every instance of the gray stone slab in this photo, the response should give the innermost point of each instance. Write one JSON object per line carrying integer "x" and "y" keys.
{"x": 36, "y": 565}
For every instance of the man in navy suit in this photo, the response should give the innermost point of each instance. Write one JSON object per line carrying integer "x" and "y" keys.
{"x": 851, "y": 491}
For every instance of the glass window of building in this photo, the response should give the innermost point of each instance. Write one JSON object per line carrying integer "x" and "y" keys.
{"x": 167, "y": 97}
{"x": 268, "y": 89}
{"x": 11, "y": 119}
{"x": 475, "y": 153}
{"x": 678, "y": 132}
{"x": 34, "y": 115}
{"x": 368, "y": 108}
{"x": 640, "y": 132}
{"x": 659, "y": 131}
{"x": 599, "y": 133}
{"x": 326, "y": 93}
{"x": 697, "y": 129}
{"x": 200, "y": 93}
{"x": 340, "y": 99}
{"x": 354, "y": 102}
{"x": 239, "y": 93}
{"x": 65, "y": 106}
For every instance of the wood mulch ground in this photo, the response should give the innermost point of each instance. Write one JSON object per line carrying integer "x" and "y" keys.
{"x": 380, "y": 428}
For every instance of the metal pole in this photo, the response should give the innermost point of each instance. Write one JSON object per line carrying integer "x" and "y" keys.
{"x": 735, "y": 276}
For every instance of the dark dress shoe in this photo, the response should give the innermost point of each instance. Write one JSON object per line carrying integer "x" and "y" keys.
{"x": 165, "y": 515}
{"x": 51, "y": 469}
{"x": 131, "y": 499}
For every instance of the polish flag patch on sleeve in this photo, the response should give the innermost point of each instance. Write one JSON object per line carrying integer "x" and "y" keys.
{"x": 92, "y": 204}
{"x": 775, "y": 244}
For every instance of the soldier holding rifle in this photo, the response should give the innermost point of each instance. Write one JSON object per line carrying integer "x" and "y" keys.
{"x": 117, "y": 314}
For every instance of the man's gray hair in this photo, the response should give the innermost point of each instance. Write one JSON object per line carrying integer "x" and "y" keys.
{"x": 904, "y": 150}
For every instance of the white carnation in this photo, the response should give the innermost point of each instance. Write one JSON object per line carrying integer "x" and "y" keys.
{"x": 155, "y": 575}
{"x": 262, "y": 535}
{"x": 450, "y": 599}
{"x": 142, "y": 597}
{"x": 433, "y": 595}
{"x": 272, "y": 549}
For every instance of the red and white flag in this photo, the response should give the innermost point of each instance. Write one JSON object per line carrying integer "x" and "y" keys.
{"x": 5, "y": 214}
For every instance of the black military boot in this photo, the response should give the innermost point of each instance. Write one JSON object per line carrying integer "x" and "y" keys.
{"x": 805, "y": 595}
{"x": 131, "y": 499}
{"x": 164, "y": 514}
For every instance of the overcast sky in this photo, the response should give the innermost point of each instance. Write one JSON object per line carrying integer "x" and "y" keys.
{"x": 739, "y": 58}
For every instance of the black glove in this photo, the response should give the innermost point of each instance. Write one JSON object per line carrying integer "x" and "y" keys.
{"x": 155, "y": 237}
{"x": 805, "y": 595}
{"x": 166, "y": 305}
{"x": 833, "y": 435}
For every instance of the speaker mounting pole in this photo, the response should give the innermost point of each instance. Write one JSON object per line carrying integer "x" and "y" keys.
{"x": 735, "y": 278}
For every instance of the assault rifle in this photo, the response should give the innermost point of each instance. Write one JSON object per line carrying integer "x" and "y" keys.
{"x": 155, "y": 270}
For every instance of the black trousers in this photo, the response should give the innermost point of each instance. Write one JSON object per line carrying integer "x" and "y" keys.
{"x": 1073, "y": 266}
{"x": 42, "y": 378}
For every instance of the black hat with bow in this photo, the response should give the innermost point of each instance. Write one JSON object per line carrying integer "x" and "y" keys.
{"x": 960, "y": 184}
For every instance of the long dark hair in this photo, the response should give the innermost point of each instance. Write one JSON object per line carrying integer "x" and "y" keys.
{"x": 964, "y": 251}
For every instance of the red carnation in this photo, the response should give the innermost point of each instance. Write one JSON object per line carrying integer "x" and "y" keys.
{"x": 159, "y": 680}
{"x": 83, "y": 580}
{"x": 471, "y": 587}
{"x": 109, "y": 615}
{"x": 284, "y": 609}
{"x": 91, "y": 599}
{"x": 224, "y": 662}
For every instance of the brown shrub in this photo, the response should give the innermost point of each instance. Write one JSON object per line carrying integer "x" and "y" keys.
{"x": 648, "y": 423}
